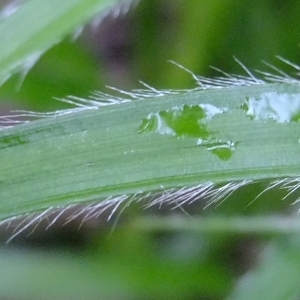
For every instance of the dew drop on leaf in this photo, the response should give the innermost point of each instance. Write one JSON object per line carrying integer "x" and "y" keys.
{"x": 279, "y": 107}
{"x": 189, "y": 121}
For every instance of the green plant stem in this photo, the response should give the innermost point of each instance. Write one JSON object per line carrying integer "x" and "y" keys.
{"x": 220, "y": 224}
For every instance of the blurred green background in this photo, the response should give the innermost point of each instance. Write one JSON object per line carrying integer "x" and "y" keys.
{"x": 93, "y": 262}
{"x": 138, "y": 45}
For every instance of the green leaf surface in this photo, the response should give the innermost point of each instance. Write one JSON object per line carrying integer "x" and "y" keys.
{"x": 98, "y": 153}
{"x": 38, "y": 24}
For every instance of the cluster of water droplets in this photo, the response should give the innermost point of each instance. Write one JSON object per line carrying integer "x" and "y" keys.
{"x": 280, "y": 107}
{"x": 190, "y": 121}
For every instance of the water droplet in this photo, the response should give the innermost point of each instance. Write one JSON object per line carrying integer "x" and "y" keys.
{"x": 186, "y": 120}
{"x": 128, "y": 152}
{"x": 223, "y": 150}
{"x": 279, "y": 107}
{"x": 189, "y": 121}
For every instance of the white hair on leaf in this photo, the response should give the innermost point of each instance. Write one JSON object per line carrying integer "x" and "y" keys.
{"x": 111, "y": 208}
{"x": 99, "y": 99}
{"x": 118, "y": 9}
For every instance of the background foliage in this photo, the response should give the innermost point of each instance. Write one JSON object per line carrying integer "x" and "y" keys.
{"x": 164, "y": 261}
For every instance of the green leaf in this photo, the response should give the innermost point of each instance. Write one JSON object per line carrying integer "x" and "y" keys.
{"x": 38, "y": 24}
{"x": 107, "y": 152}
